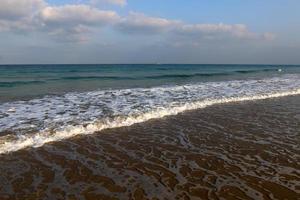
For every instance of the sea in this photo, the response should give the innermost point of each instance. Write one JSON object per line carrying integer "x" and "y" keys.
{"x": 47, "y": 103}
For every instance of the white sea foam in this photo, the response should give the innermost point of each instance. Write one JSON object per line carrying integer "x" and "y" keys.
{"x": 56, "y": 118}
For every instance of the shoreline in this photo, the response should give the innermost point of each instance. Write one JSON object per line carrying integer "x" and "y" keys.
{"x": 42, "y": 138}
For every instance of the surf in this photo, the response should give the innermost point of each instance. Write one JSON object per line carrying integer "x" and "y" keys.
{"x": 33, "y": 123}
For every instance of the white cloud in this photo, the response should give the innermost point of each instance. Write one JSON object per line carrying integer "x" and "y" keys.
{"x": 115, "y": 2}
{"x": 15, "y": 9}
{"x": 239, "y": 31}
{"x": 72, "y": 21}
{"x": 269, "y": 36}
{"x": 140, "y": 23}
{"x": 77, "y": 14}
{"x": 70, "y": 34}
{"x": 18, "y": 14}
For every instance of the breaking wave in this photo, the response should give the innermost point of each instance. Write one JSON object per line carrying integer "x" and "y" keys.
{"x": 39, "y": 121}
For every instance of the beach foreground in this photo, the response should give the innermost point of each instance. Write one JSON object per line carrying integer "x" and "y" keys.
{"x": 247, "y": 150}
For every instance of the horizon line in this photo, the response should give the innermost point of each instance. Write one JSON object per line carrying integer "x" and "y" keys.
{"x": 18, "y": 64}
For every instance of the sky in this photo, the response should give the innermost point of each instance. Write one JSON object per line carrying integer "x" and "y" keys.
{"x": 149, "y": 31}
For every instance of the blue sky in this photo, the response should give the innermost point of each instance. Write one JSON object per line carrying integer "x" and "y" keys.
{"x": 143, "y": 31}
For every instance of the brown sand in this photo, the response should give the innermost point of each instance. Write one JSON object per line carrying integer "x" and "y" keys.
{"x": 234, "y": 151}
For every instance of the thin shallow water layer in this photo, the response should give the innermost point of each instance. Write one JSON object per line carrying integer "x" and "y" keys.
{"x": 245, "y": 150}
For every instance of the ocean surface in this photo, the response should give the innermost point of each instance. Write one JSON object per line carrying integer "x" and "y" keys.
{"x": 46, "y": 103}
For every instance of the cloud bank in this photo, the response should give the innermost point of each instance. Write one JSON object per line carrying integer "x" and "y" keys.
{"x": 74, "y": 22}
{"x": 138, "y": 23}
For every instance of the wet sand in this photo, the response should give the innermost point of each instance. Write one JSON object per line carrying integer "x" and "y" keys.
{"x": 248, "y": 150}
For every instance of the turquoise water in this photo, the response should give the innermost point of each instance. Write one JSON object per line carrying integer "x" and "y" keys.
{"x": 41, "y": 104}
{"x": 19, "y": 82}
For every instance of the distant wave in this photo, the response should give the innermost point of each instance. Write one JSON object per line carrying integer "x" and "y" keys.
{"x": 186, "y": 75}
{"x": 52, "y": 118}
{"x": 255, "y": 71}
{"x": 142, "y": 77}
{"x": 17, "y": 83}
{"x": 96, "y": 78}
{"x": 165, "y": 76}
{"x": 208, "y": 74}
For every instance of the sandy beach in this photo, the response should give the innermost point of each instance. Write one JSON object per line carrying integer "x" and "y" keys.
{"x": 247, "y": 150}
